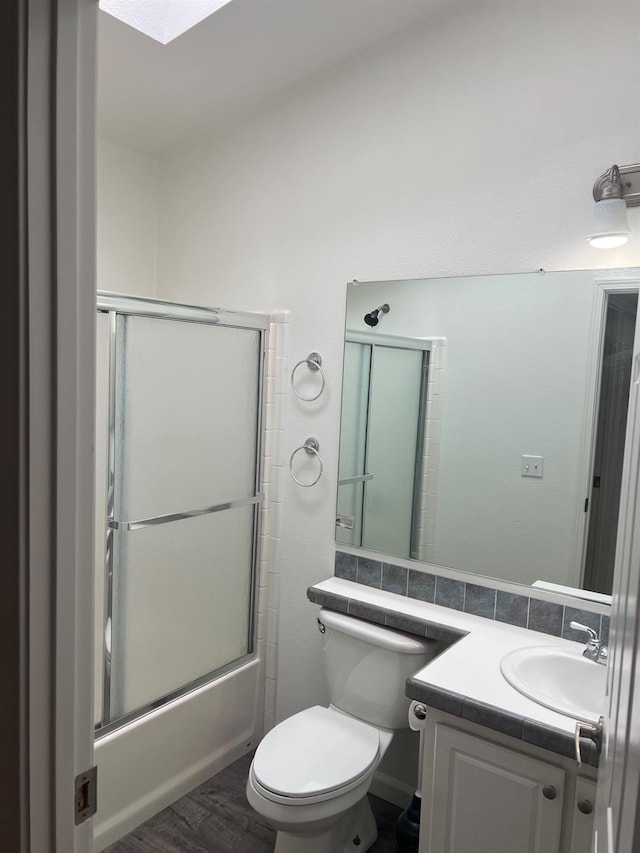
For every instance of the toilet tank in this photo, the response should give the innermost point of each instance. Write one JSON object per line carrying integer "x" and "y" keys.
{"x": 367, "y": 667}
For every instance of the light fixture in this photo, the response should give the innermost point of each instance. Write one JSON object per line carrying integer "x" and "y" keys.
{"x": 614, "y": 191}
{"x": 162, "y": 20}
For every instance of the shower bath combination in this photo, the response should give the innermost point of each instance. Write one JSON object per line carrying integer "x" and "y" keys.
{"x": 372, "y": 319}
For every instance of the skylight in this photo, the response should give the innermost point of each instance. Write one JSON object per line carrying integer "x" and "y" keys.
{"x": 162, "y": 20}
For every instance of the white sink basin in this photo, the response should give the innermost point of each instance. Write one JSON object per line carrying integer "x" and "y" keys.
{"x": 558, "y": 678}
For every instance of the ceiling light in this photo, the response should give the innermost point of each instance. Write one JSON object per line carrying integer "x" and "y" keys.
{"x": 614, "y": 191}
{"x": 162, "y": 20}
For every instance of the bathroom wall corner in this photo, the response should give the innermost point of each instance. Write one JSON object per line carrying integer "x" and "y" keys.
{"x": 274, "y": 403}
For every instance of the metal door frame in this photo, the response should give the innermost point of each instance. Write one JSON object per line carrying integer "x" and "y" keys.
{"x": 115, "y": 305}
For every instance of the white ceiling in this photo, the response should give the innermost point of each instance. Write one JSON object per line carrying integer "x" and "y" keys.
{"x": 154, "y": 97}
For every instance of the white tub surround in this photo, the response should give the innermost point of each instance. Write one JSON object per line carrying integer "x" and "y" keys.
{"x": 465, "y": 679}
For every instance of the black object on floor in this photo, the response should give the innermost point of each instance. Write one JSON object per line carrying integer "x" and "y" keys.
{"x": 216, "y": 818}
{"x": 408, "y": 827}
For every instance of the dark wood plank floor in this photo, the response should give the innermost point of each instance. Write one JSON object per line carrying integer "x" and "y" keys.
{"x": 216, "y": 818}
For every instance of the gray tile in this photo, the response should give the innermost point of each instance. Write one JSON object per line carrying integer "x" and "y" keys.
{"x": 394, "y": 578}
{"x": 512, "y": 609}
{"x": 553, "y": 739}
{"x": 450, "y": 593}
{"x": 346, "y": 566}
{"x": 492, "y": 718}
{"x": 480, "y": 600}
{"x": 406, "y": 623}
{"x": 367, "y": 611}
{"x": 443, "y": 700}
{"x": 332, "y": 601}
{"x": 448, "y": 636}
{"x": 422, "y": 586}
{"x": 585, "y": 617}
{"x": 604, "y": 636}
{"x": 545, "y": 616}
{"x": 369, "y": 572}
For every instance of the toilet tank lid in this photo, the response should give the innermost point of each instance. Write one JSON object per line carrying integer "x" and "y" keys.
{"x": 387, "y": 638}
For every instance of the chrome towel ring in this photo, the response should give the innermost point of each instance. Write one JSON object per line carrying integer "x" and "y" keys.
{"x": 314, "y": 363}
{"x": 312, "y": 447}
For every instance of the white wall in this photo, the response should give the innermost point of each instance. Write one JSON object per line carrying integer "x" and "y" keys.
{"x": 127, "y": 221}
{"x": 469, "y": 146}
{"x": 515, "y": 381}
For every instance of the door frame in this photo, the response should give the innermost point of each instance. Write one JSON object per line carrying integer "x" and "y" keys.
{"x": 75, "y": 297}
{"x": 614, "y": 281}
{"x": 617, "y": 824}
{"x": 46, "y": 452}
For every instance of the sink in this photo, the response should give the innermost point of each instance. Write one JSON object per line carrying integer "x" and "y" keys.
{"x": 558, "y": 678}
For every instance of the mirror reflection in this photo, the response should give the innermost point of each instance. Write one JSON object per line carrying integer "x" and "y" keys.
{"x": 483, "y": 422}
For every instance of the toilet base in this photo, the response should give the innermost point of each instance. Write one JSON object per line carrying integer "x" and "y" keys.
{"x": 356, "y": 830}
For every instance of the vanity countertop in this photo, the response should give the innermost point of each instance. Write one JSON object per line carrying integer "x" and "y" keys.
{"x": 465, "y": 679}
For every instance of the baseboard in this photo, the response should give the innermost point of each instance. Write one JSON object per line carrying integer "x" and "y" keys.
{"x": 391, "y": 790}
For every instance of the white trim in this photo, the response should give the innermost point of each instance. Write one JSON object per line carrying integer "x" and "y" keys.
{"x": 391, "y": 790}
{"x": 618, "y": 790}
{"x": 74, "y": 234}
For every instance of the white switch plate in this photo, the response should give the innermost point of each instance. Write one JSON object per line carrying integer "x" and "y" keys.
{"x": 532, "y": 466}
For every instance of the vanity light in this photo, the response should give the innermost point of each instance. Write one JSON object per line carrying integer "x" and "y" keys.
{"x": 614, "y": 191}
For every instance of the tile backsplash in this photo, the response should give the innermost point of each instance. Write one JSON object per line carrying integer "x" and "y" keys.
{"x": 523, "y": 611}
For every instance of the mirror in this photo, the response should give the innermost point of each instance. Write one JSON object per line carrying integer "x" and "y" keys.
{"x": 483, "y": 422}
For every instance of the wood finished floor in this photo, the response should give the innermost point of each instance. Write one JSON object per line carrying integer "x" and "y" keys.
{"x": 216, "y": 818}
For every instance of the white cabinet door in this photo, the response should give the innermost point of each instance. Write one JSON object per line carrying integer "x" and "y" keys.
{"x": 582, "y": 814}
{"x": 488, "y": 799}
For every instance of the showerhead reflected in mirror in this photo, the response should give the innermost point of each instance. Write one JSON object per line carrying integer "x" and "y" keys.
{"x": 373, "y": 317}
{"x": 483, "y": 427}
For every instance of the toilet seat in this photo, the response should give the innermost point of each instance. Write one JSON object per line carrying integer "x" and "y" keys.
{"x": 314, "y": 754}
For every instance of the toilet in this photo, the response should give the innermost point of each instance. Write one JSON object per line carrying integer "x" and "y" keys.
{"x": 310, "y": 775}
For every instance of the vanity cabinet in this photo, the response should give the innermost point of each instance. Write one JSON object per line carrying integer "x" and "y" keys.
{"x": 484, "y": 792}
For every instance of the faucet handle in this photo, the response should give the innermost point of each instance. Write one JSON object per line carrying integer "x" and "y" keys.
{"x": 577, "y": 626}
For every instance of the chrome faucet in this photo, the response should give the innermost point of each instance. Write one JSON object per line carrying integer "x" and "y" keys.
{"x": 595, "y": 649}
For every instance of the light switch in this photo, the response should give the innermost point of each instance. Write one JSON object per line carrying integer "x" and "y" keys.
{"x": 532, "y": 466}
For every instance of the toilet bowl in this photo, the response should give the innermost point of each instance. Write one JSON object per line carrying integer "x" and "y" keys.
{"x": 310, "y": 775}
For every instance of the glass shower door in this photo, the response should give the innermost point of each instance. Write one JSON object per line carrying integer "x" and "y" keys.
{"x": 381, "y": 443}
{"x": 353, "y": 440}
{"x": 183, "y": 511}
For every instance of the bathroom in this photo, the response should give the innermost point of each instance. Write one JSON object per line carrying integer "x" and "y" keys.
{"x": 462, "y": 142}
{"x": 281, "y": 206}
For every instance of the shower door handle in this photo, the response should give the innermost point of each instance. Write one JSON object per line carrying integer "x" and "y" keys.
{"x": 361, "y": 478}
{"x": 112, "y": 524}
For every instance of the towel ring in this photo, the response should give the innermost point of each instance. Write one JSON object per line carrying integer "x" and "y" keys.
{"x": 312, "y": 447}
{"x": 313, "y": 362}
